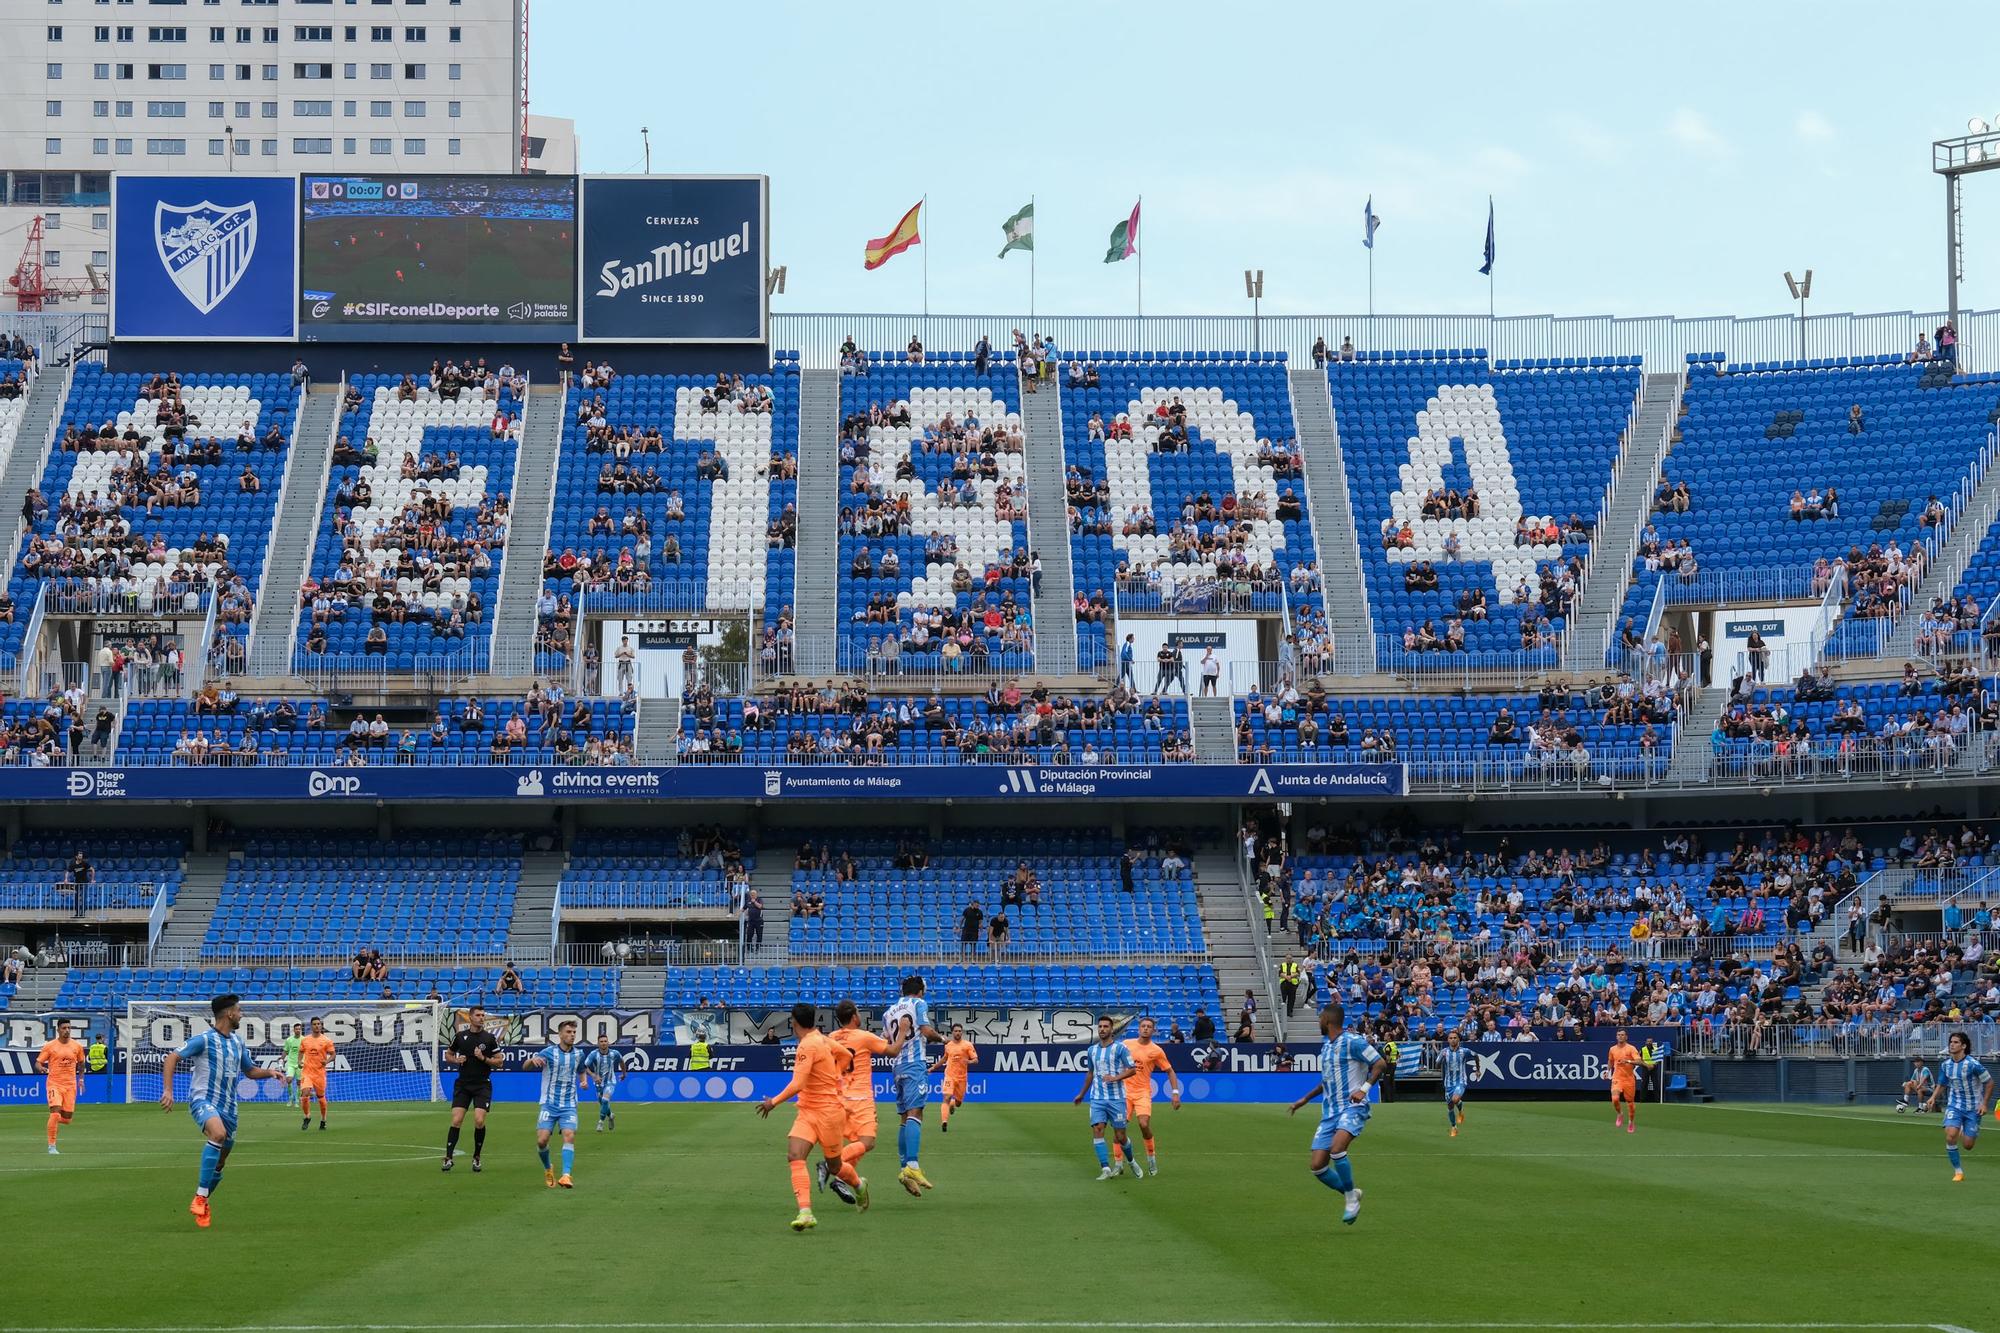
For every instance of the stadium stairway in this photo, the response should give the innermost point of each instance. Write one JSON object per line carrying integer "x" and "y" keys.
{"x": 294, "y": 525}
{"x": 32, "y": 439}
{"x": 1943, "y": 576}
{"x": 1048, "y": 531}
{"x": 530, "y": 930}
{"x": 38, "y": 990}
{"x": 1232, "y": 925}
{"x": 1212, "y": 728}
{"x": 656, "y": 730}
{"x": 771, "y": 877}
{"x": 1691, "y": 756}
{"x": 194, "y": 903}
{"x": 1345, "y": 590}
{"x": 815, "y": 605}
{"x": 642, "y": 989}
{"x": 534, "y": 497}
{"x": 1635, "y": 479}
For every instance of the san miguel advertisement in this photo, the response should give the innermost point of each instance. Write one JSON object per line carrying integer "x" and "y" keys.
{"x": 675, "y": 259}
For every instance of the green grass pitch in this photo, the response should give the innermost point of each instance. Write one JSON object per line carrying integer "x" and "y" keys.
{"x": 1539, "y": 1215}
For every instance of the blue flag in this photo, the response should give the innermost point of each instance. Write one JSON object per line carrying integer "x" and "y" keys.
{"x": 1409, "y": 1058}
{"x": 1487, "y": 267}
{"x": 1369, "y": 222}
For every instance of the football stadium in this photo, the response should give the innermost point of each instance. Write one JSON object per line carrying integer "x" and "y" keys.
{"x": 604, "y": 710}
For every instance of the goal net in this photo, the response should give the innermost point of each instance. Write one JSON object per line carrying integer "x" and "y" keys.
{"x": 384, "y": 1050}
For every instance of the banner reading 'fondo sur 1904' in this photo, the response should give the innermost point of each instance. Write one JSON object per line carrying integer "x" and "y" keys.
{"x": 204, "y": 258}
{"x": 675, "y": 259}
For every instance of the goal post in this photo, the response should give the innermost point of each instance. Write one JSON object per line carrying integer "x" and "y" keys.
{"x": 384, "y": 1050}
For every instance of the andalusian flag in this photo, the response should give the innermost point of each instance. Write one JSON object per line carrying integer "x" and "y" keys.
{"x": 1020, "y": 231}
{"x": 901, "y": 238}
{"x": 1124, "y": 239}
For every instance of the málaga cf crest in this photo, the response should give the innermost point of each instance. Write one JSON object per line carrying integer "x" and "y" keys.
{"x": 206, "y": 248}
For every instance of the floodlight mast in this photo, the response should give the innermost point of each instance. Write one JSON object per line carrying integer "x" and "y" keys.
{"x": 1976, "y": 150}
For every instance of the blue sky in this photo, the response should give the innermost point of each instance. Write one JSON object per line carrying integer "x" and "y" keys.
{"x": 1643, "y": 159}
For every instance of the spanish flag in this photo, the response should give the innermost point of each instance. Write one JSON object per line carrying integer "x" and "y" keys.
{"x": 882, "y": 250}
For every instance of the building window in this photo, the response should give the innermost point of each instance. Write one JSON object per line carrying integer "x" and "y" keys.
{"x": 451, "y": 110}
{"x": 243, "y": 35}
{"x": 217, "y": 73}
{"x": 381, "y": 71}
{"x": 381, "y": 109}
{"x": 125, "y": 33}
{"x": 52, "y": 259}
{"x": 451, "y": 147}
{"x": 413, "y": 110}
{"x": 452, "y": 34}
{"x": 313, "y": 71}
{"x": 347, "y": 108}
{"x": 102, "y": 32}
{"x": 311, "y": 33}
{"x": 100, "y": 146}
{"x": 166, "y": 71}
{"x": 99, "y": 221}
{"x": 380, "y": 147}
{"x": 413, "y": 147}
{"x": 52, "y": 109}
{"x": 243, "y": 74}
{"x": 54, "y": 70}
{"x": 96, "y": 71}
{"x": 55, "y": 32}
{"x": 347, "y": 147}
{"x": 124, "y": 108}
{"x": 124, "y": 147}
{"x": 413, "y": 71}
{"x": 166, "y": 34}
{"x": 100, "y": 108}
{"x": 312, "y": 108}
{"x": 348, "y": 33}
{"x": 166, "y": 147}
{"x": 216, "y": 109}
{"x": 413, "y": 34}
{"x": 382, "y": 34}
{"x": 312, "y": 146}
{"x": 165, "y": 110}
{"x": 217, "y": 147}
{"x": 271, "y": 36}
{"x": 347, "y": 70}
{"x": 54, "y": 221}
{"x": 268, "y": 147}
{"x": 218, "y": 34}
{"x": 100, "y": 257}
{"x": 269, "y": 110}
{"x": 243, "y": 110}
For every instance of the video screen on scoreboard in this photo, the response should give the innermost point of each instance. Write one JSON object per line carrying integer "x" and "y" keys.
{"x": 413, "y": 258}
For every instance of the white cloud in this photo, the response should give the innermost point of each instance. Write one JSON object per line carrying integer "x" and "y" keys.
{"x": 1691, "y": 130}
{"x": 1812, "y": 127}
{"x": 1593, "y": 143}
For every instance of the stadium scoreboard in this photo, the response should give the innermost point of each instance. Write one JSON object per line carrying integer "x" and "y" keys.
{"x": 406, "y": 257}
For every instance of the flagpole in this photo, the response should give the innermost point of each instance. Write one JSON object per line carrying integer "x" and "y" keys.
{"x": 1031, "y": 263}
{"x": 924, "y": 212}
{"x": 1140, "y": 209}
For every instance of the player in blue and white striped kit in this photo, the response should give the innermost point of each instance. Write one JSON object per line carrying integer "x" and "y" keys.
{"x": 1456, "y": 1063}
{"x": 1349, "y": 1065}
{"x": 1968, "y": 1092}
{"x": 1107, "y": 1066}
{"x": 908, "y": 1020}
{"x": 605, "y": 1065}
{"x": 216, "y": 1059}
{"x": 561, "y": 1066}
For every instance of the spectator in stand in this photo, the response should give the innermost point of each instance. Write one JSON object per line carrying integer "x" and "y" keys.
{"x": 510, "y": 980}
{"x": 1204, "y": 1026}
{"x": 968, "y": 927}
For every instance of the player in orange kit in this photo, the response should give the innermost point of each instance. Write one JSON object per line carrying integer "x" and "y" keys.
{"x": 61, "y": 1059}
{"x": 959, "y": 1056}
{"x": 315, "y": 1049}
{"x": 1147, "y": 1060}
{"x": 857, "y": 1097}
{"x": 1624, "y": 1062}
{"x": 821, "y": 1118}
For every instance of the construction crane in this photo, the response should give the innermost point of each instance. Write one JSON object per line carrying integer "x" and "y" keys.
{"x": 30, "y": 283}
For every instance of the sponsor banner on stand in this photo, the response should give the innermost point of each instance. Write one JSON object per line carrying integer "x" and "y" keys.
{"x": 204, "y": 258}
{"x": 714, "y": 782}
{"x": 673, "y": 259}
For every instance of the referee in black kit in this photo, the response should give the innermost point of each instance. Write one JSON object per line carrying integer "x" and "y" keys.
{"x": 476, "y": 1052}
